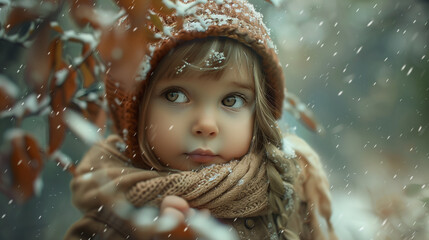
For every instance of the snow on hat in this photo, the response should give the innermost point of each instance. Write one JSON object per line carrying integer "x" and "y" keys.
{"x": 235, "y": 19}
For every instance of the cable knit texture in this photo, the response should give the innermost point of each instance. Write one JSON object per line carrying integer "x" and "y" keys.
{"x": 233, "y": 19}
{"x": 234, "y": 189}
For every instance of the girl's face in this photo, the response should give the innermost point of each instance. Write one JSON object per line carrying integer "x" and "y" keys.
{"x": 198, "y": 121}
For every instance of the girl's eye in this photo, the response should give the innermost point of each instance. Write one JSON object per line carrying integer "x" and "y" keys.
{"x": 233, "y": 101}
{"x": 176, "y": 96}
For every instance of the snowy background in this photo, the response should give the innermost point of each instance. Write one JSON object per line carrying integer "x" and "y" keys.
{"x": 362, "y": 67}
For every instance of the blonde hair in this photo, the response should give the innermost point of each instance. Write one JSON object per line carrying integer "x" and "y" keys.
{"x": 267, "y": 139}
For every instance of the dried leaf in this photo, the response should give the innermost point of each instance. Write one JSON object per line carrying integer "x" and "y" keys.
{"x": 291, "y": 98}
{"x": 119, "y": 44}
{"x": 19, "y": 15}
{"x": 96, "y": 114}
{"x": 65, "y": 161}
{"x": 8, "y": 93}
{"x": 37, "y": 73}
{"x": 136, "y": 10}
{"x": 57, "y": 131}
{"x": 309, "y": 122}
{"x": 87, "y": 74}
{"x": 300, "y": 111}
{"x": 70, "y": 86}
{"x": 57, "y": 28}
{"x": 93, "y": 111}
{"x": 91, "y": 62}
{"x": 86, "y": 51}
{"x": 63, "y": 86}
{"x": 60, "y": 98}
{"x": 26, "y": 165}
{"x": 30, "y": 11}
{"x": 83, "y": 13}
{"x": 6, "y": 178}
{"x": 33, "y": 149}
{"x": 6, "y": 101}
{"x": 58, "y": 54}
{"x": 87, "y": 68}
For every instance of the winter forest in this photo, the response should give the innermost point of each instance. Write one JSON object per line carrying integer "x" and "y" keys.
{"x": 357, "y": 71}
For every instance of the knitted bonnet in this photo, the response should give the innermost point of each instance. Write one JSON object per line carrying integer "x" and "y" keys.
{"x": 235, "y": 19}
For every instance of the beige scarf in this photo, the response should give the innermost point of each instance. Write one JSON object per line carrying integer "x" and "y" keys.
{"x": 230, "y": 190}
{"x": 234, "y": 189}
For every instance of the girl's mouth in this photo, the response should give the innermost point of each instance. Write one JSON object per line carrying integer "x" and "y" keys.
{"x": 201, "y": 156}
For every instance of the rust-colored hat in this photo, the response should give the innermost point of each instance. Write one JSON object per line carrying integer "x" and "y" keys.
{"x": 236, "y": 19}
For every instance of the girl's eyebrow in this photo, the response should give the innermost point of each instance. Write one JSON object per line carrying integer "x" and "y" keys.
{"x": 243, "y": 85}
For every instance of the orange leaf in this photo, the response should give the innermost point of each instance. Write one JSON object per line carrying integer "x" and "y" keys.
{"x": 92, "y": 111}
{"x": 309, "y": 122}
{"x": 96, "y": 114}
{"x": 57, "y": 131}
{"x": 38, "y": 71}
{"x": 86, "y": 49}
{"x": 87, "y": 68}
{"x": 137, "y": 10}
{"x": 22, "y": 14}
{"x": 64, "y": 161}
{"x": 292, "y": 99}
{"x": 69, "y": 87}
{"x": 33, "y": 149}
{"x": 124, "y": 50}
{"x": 57, "y": 28}
{"x": 87, "y": 74}
{"x": 19, "y": 15}
{"x": 26, "y": 165}
{"x": 6, "y": 100}
{"x": 299, "y": 110}
{"x": 83, "y": 13}
{"x": 58, "y": 53}
{"x": 60, "y": 98}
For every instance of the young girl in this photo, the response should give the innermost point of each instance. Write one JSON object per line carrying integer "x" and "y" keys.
{"x": 200, "y": 132}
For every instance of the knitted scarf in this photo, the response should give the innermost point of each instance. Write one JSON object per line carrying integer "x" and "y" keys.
{"x": 234, "y": 189}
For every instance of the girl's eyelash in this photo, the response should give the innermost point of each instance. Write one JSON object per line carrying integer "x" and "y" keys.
{"x": 240, "y": 95}
{"x": 172, "y": 89}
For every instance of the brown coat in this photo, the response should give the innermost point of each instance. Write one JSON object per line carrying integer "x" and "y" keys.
{"x": 103, "y": 168}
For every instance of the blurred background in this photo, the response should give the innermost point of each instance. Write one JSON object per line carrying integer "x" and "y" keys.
{"x": 361, "y": 66}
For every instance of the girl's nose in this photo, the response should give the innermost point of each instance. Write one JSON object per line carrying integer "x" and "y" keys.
{"x": 205, "y": 126}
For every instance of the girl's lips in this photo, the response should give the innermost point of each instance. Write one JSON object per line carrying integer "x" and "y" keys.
{"x": 202, "y": 156}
